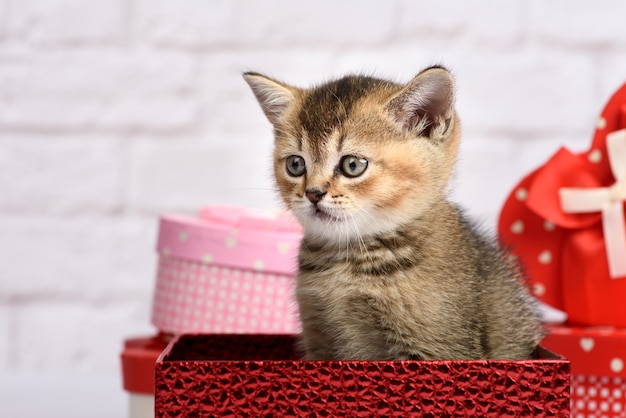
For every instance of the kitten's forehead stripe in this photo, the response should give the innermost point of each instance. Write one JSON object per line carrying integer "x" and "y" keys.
{"x": 327, "y": 107}
{"x": 342, "y": 137}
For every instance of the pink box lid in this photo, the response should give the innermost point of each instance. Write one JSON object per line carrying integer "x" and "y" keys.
{"x": 234, "y": 237}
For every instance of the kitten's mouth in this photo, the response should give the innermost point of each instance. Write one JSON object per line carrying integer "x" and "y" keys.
{"x": 322, "y": 215}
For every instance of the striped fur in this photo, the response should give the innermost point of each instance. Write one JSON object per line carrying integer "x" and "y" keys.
{"x": 388, "y": 267}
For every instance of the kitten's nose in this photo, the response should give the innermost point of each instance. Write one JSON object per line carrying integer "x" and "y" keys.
{"x": 315, "y": 195}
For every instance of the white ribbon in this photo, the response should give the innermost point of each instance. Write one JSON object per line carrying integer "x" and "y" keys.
{"x": 608, "y": 200}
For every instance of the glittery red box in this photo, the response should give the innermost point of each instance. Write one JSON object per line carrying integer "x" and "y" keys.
{"x": 260, "y": 375}
{"x": 598, "y": 356}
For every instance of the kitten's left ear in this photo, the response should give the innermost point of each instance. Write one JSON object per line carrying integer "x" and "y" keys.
{"x": 426, "y": 103}
{"x": 273, "y": 96}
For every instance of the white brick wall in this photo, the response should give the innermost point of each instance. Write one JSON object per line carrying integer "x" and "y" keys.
{"x": 113, "y": 111}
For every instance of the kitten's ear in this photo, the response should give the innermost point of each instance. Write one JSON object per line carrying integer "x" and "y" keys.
{"x": 426, "y": 103}
{"x": 273, "y": 96}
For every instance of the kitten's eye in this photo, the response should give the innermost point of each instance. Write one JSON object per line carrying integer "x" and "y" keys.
{"x": 352, "y": 166}
{"x": 295, "y": 166}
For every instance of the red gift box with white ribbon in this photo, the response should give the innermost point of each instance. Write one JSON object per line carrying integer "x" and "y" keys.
{"x": 565, "y": 222}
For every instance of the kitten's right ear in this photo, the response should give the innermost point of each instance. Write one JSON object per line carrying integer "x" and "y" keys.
{"x": 273, "y": 96}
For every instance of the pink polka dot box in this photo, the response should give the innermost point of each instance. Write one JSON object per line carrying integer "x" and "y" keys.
{"x": 230, "y": 270}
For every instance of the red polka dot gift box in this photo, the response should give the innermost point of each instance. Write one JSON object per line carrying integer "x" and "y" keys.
{"x": 598, "y": 362}
{"x": 230, "y": 270}
{"x": 565, "y": 222}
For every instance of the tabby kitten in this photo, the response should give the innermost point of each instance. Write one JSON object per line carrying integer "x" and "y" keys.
{"x": 388, "y": 267}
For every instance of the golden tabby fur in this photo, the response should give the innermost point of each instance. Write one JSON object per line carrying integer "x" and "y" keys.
{"x": 388, "y": 267}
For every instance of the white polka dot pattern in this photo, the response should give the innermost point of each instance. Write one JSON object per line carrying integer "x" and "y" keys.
{"x": 598, "y": 397}
{"x": 521, "y": 194}
{"x": 228, "y": 272}
{"x": 517, "y": 227}
{"x": 565, "y": 221}
{"x": 587, "y": 344}
{"x": 194, "y": 297}
{"x": 595, "y": 156}
{"x": 549, "y": 226}
{"x": 545, "y": 257}
{"x": 598, "y": 383}
{"x": 539, "y": 289}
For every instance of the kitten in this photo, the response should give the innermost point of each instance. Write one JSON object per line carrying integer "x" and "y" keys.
{"x": 388, "y": 267}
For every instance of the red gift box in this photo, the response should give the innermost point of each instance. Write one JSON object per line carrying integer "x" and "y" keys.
{"x": 565, "y": 222}
{"x": 261, "y": 375}
{"x": 138, "y": 359}
{"x": 597, "y": 356}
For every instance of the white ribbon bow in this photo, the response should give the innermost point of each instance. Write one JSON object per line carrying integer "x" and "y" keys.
{"x": 608, "y": 200}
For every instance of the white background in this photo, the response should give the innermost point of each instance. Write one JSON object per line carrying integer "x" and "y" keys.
{"x": 115, "y": 111}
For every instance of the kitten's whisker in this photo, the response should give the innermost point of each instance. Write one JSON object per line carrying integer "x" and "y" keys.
{"x": 360, "y": 240}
